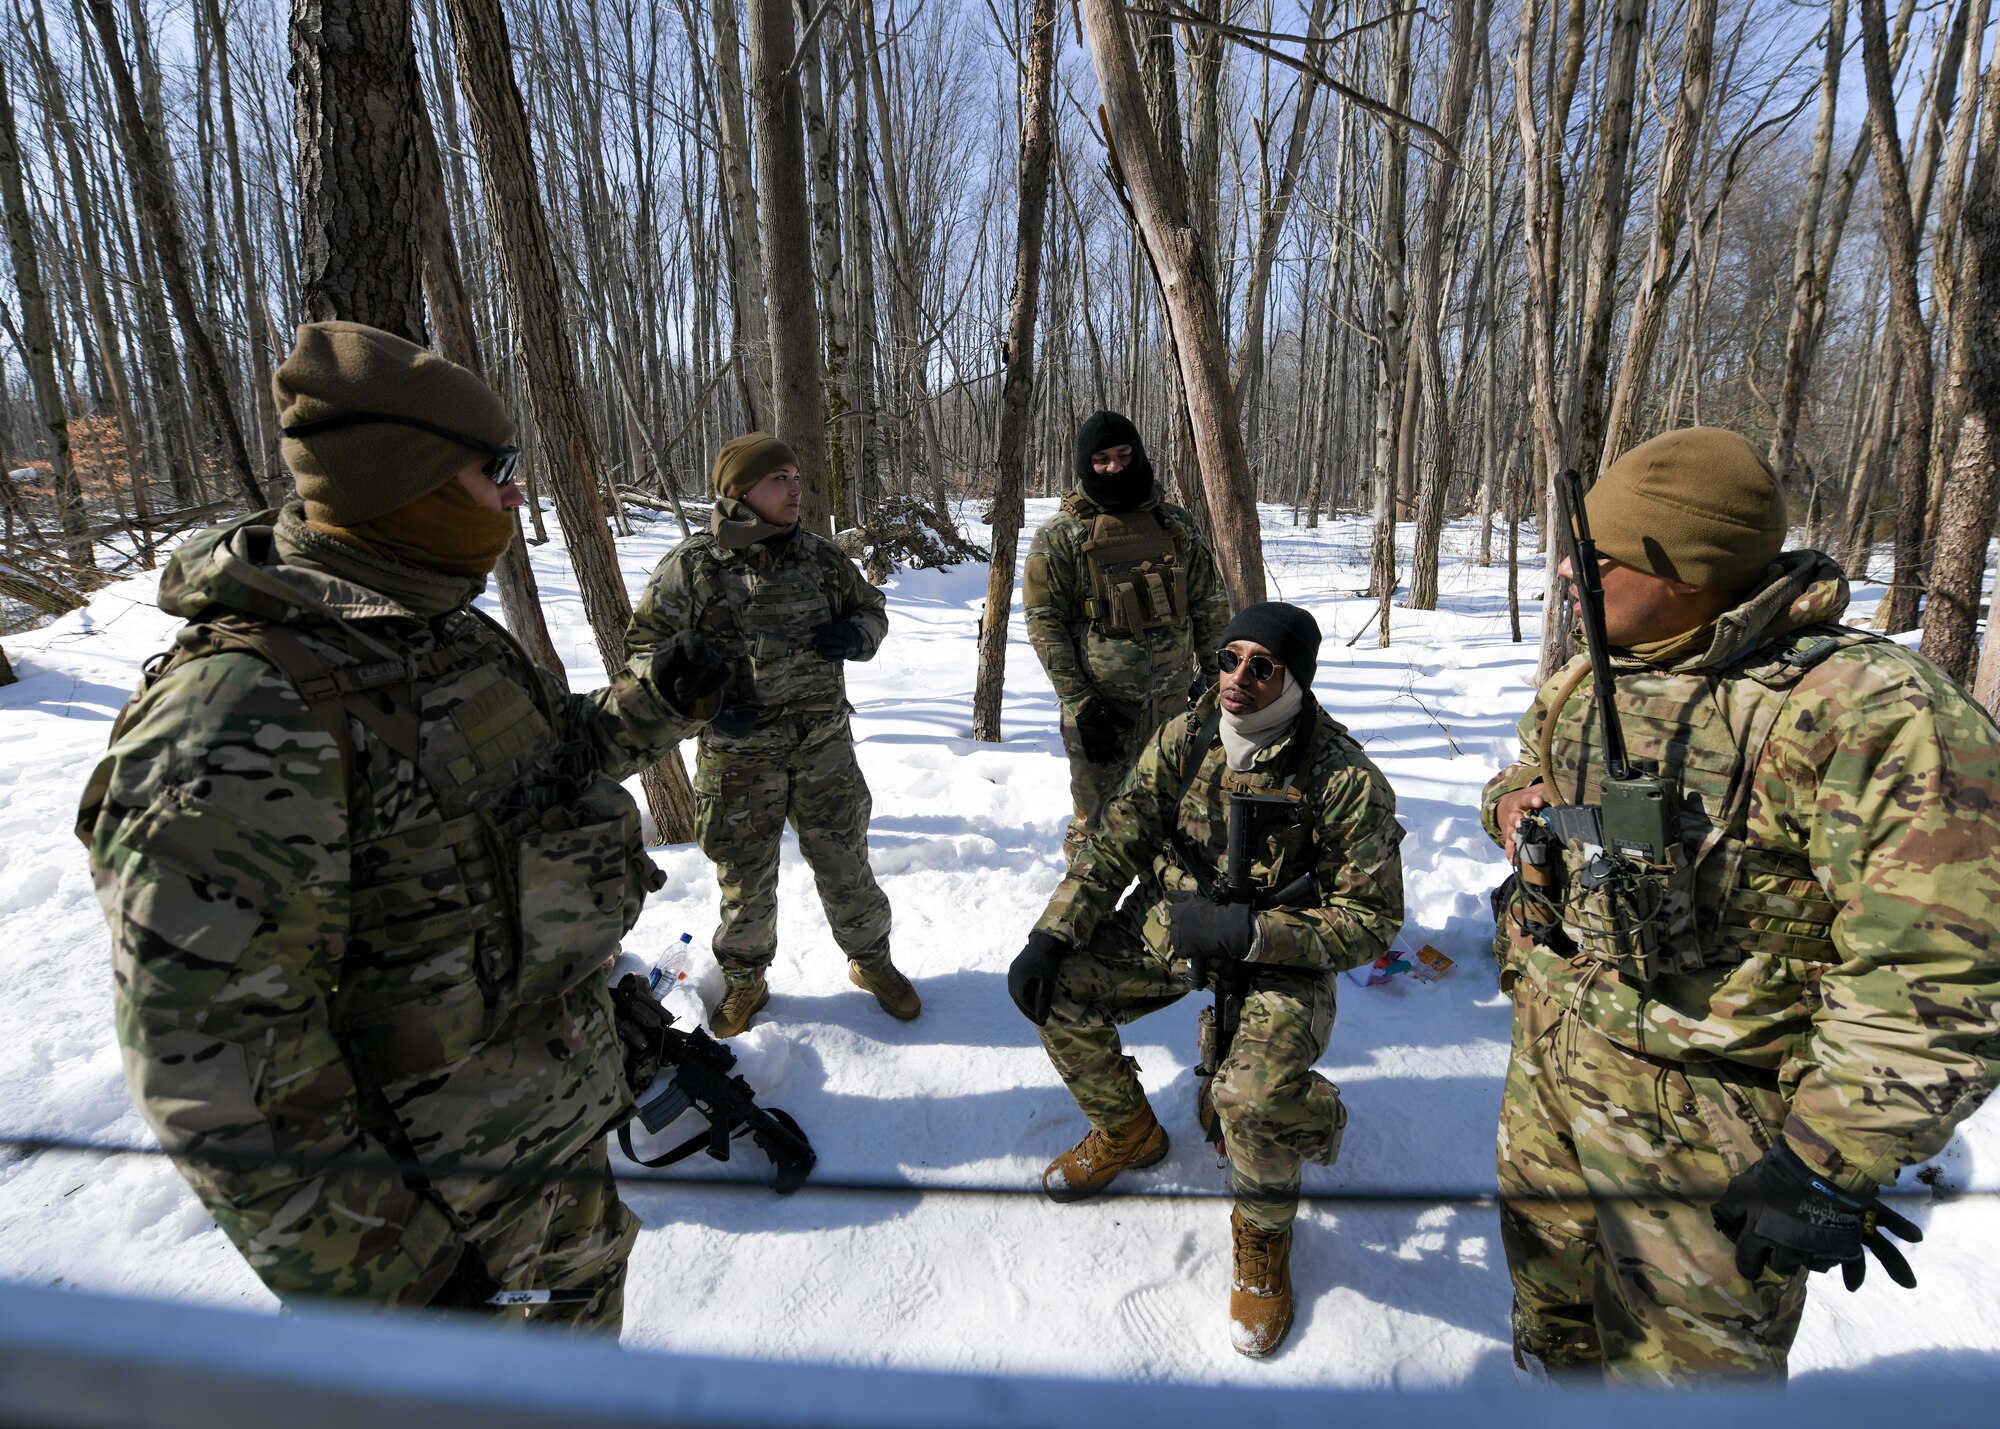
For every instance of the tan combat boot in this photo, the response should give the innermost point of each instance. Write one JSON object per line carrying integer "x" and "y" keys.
{"x": 743, "y": 1001}
{"x": 1094, "y": 1162}
{"x": 1260, "y": 1287}
{"x": 890, "y": 987}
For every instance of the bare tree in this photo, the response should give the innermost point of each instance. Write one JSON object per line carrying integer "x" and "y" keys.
{"x": 38, "y": 337}
{"x": 1972, "y": 380}
{"x": 1913, "y": 341}
{"x": 1173, "y": 246}
{"x": 154, "y": 186}
{"x": 1018, "y": 355}
{"x": 353, "y": 71}
{"x": 785, "y": 215}
{"x": 541, "y": 335}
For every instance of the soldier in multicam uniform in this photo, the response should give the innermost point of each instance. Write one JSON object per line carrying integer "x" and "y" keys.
{"x": 1819, "y": 1010}
{"x": 1123, "y": 605}
{"x": 786, "y": 608}
{"x": 1328, "y": 880}
{"x": 364, "y": 865}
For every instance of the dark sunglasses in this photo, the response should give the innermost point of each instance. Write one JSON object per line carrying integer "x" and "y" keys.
{"x": 499, "y": 469}
{"x": 1262, "y": 667}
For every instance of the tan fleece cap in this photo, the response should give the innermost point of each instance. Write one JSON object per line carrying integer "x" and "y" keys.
{"x": 746, "y": 460}
{"x": 354, "y": 474}
{"x": 1697, "y": 505}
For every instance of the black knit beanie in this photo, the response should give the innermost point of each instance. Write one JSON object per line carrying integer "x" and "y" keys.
{"x": 1119, "y": 490}
{"x": 1290, "y": 634}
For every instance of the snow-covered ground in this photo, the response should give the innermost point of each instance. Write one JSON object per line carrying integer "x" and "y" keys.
{"x": 967, "y": 1273}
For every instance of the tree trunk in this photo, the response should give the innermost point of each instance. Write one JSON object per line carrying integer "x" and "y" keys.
{"x": 353, "y": 64}
{"x": 1609, "y": 199}
{"x": 785, "y": 214}
{"x": 1677, "y": 151}
{"x": 39, "y": 339}
{"x": 1900, "y": 239}
{"x": 746, "y": 248}
{"x": 1468, "y": 22}
{"x": 249, "y": 273}
{"x": 458, "y": 340}
{"x": 1175, "y": 250}
{"x": 541, "y": 336}
{"x": 1972, "y": 379}
{"x": 153, "y": 186}
{"x": 1018, "y": 357}
{"x": 1808, "y": 279}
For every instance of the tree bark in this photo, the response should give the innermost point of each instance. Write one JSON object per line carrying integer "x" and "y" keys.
{"x": 541, "y": 337}
{"x": 1017, "y": 355}
{"x": 1175, "y": 250}
{"x": 1972, "y": 377}
{"x": 353, "y": 63}
{"x": 153, "y": 186}
{"x": 785, "y": 213}
{"x": 1900, "y": 239}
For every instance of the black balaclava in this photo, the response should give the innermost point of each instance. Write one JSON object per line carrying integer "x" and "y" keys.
{"x": 1113, "y": 491}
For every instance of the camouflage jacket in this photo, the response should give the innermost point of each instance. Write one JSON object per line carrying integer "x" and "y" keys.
{"x": 759, "y": 607}
{"x": 1340, "y": 829}
{"x": 1863, "y": 970}
{"x": 319, "y": 944}
{"x": 1079, "y": 658}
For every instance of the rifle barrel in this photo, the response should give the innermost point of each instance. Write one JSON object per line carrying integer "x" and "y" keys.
{"x": 1589, "y": 584}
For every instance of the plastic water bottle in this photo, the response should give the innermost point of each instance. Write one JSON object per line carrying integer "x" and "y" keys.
{"x": 672, "y": 966}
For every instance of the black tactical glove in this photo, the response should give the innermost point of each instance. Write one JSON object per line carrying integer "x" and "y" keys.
{"x": 1782, "y": 1213}
{"x": 1101, "y": 730}
{"x": 1031, "y": 981}
{"x": 1210, "y": 935}
{"x": 837, "y": 640}
{"x": 736, "y": 721}
{"x": 687, "y": 670}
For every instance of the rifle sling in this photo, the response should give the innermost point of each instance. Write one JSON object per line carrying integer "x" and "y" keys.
{"x": 1185, "y": 851}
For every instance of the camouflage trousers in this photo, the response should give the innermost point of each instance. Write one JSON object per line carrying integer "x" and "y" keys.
{"x": 1276, "y": 1112}
{"x": 1613, "y": 1161}
{"x": 1090, "y": 785}
{"x": 799, "y": 770}
{"x": 358, "y": 1232}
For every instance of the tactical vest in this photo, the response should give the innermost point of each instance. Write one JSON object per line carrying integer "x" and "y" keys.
{"x": 529, "y": 871}
{"x": 1138, "y": 582}
{"x": 1283, "y": 846}
{"x": 1718, "y": 899}
{"x": 761, "y": 613}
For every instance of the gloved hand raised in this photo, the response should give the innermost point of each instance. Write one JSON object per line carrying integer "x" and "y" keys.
{"x": 1101, "y": 730}
{"x": 1031, "y": 981}
{"x": 1783, "y": 1214}
{"x": 688, "y": 670}
{"x": 837, "y": 640}
{"x": 1209, "y": 935}
{"x": 737, "y": 721}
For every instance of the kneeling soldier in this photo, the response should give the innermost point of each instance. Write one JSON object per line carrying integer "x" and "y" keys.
{"x": 1736, "y": 1015}
{"x": 1266, "y": 849}
{"x": 364, "y": 864}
